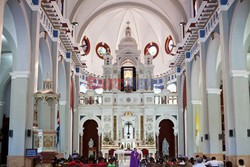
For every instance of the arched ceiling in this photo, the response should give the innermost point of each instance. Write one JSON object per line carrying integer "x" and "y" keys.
{"x": 105, "y": 21}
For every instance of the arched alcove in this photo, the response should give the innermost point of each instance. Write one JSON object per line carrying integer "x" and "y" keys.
{"x": 90, "y": 131}
{"x": 167, "y": 131}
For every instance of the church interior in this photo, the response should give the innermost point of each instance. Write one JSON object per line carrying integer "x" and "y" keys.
{"x": 108, "y": 82}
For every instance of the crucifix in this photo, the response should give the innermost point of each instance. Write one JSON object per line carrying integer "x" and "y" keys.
{"x": 128, "y": 124}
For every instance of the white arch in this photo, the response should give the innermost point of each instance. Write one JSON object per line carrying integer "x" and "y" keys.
{"x": 22, "y": 56}
{"x": 166, "y": 21}
{"x": 87, "y": 118}
{"x": 237, "y": 53}
{"x": 213, "y": 69}
{"x": 169, "y": 117}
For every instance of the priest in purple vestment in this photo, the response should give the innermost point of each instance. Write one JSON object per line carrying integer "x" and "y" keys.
{"x": 134, "y": 158}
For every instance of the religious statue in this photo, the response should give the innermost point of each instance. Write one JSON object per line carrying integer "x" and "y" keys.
{"x": 91, "y": 143}
{"x": 165, "y": 147}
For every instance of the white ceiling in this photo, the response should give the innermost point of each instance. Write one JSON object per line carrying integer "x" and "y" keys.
{"x": 110, "y": 28}
{"x": 105, "y": 21}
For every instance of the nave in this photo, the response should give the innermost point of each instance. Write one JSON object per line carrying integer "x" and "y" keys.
{"x": 94, "y": 79}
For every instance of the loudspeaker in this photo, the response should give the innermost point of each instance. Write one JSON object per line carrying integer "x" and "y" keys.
{"x": 220, "y": 136}
{"x": 201, "y": 139}
{"x": 231, "y": 133}
{"x": 206, "y": 136}
{"x": 11, "y": 133}
{"x": 28, "y": 132}
{"x": 248, "y": 132}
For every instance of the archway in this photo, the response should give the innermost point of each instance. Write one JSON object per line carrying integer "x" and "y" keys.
{"x": 167, "y": 131}
{"x": 90, "y": 130}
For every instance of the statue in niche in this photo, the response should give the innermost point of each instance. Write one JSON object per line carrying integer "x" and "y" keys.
{"x": 165, "y": 147}
{"x": 91, "y": 143}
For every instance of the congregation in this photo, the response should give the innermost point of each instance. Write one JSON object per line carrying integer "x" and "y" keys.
{"x": 76, "y": 160}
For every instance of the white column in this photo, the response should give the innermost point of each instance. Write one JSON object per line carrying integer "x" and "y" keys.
{"x": 68, "y": 112}
{"x": 190, "y": 139}
{"x": 227, "y": 83}
{"x": 157, "y": 142}
{"x": 241, "y": 109}
{"x": 214, "y": 118}
{"x": 180, "y": 117}
{"x": 80, "y": 146}
{"x": 35, "y": 29}
{"x": 204, "y": 112}
{"x": 99, "y": 141}
{"x": 76, "y": 114}
{"x": 2, "y": 4}
{"x": 62, "y": 111}
{"x": 176, "y": 142}
{"x": 18, "y": 108}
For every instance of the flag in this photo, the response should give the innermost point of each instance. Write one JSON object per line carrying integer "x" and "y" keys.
{"x": 58, "y": 128}
{"x": 197, "y": 125}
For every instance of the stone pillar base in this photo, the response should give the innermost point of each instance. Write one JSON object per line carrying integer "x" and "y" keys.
{"x": 234, "y": 159}
{"x": 15, "y": 161}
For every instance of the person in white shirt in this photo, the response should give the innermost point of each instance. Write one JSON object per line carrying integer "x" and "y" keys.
{"x": 214, "y": 163}
{"x": 199, "y": 162}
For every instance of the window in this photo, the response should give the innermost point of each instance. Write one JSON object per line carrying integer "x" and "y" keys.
{"x": 85, "y": 45}
{"x": 151, "y": 48}
{"x": 102, "y": 49}
{"x": 169, "y": 45}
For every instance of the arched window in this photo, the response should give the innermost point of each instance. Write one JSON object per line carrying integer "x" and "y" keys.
{"x": 169, "y": 45}
{"x": 152, "y": 48}
{"x": 102, "y": 49}
{"x": 85, "y": 45}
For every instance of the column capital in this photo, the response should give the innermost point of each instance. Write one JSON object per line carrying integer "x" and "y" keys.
{"x": 19, "y": 74}
{"x": 239, "y": 73}
{"x": 214, "y": 91}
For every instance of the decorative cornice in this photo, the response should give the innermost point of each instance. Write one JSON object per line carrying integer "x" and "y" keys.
{"x": 214, "y": 91}
{"x": 196, "y": 102}
{"x": 19, "y": 74}
{"x": 239, "y": 73}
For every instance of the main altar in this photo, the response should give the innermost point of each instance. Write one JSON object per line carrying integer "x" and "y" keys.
{"x": 128, "y": 112}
